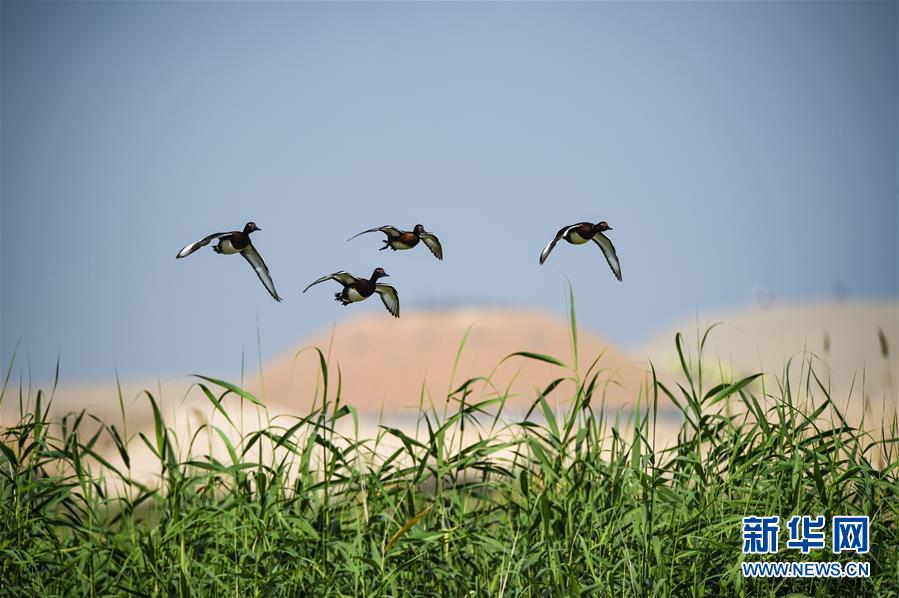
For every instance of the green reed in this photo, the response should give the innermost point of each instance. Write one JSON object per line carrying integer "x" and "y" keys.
{"x": 561, "y": 502}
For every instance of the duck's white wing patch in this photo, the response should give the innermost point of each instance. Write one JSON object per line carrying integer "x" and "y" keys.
{"x": 432, "y": 243}
{"x": 390, "y": 298}
{"x": 608, "y": 250}
{"x": 189, "y": 249}
{"x": 341, "y": 277}
{"x": 252, "y": 256}
{"x": 549, "y": 246}
{"x": 390, "y": 231}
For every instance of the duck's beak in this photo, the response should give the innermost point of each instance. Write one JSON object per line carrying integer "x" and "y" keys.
{"x": 385, "y": 275}
{"x": 608, "y": 228}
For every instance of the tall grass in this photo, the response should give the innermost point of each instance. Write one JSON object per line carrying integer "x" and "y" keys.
{"x": 563, "y": 502}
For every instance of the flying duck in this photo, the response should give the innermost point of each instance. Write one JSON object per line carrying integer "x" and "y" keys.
{"x": 359, "y": 289}
{"x": 237, "y": 242}
{"x": 578, "y": 234}
{"x": 400, "y": 239}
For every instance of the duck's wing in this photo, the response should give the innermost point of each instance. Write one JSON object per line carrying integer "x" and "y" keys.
{"x": 390, "y": 299}
{"x": 433, "y": 244}
{"x": 255, "y": 260}
{"x": 342, "y": 277}
{"x": 390, "y": 231}
{"x": 608, "y": 250}
{"x": 549, "y": 246}
{"x": 189, "y": 249}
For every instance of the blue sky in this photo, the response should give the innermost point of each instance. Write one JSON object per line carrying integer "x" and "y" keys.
{"x": 731, "y": 146}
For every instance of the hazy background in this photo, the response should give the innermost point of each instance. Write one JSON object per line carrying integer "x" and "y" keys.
{"x": 734, "y": 147}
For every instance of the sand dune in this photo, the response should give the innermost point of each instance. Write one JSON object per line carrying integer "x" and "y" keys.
{"x": 386, "y": 362}
{"x": 842, "y": 339}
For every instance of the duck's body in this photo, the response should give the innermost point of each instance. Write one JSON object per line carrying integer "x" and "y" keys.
{"x": 237, "y": 241}
{"x": 407, "y": 240}
{"x": 359, "y": 289}
{"x": 399, "y": 240}
{"x": 229, "y": 245}
{"x": 580, "y": 233}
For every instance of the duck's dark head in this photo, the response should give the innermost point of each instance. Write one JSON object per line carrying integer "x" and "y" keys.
{"x": 250, "y": 228}
{"x": 379, "y": 273}
{"x": 603, "y": 226}
{"x": 419, "y": 228}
